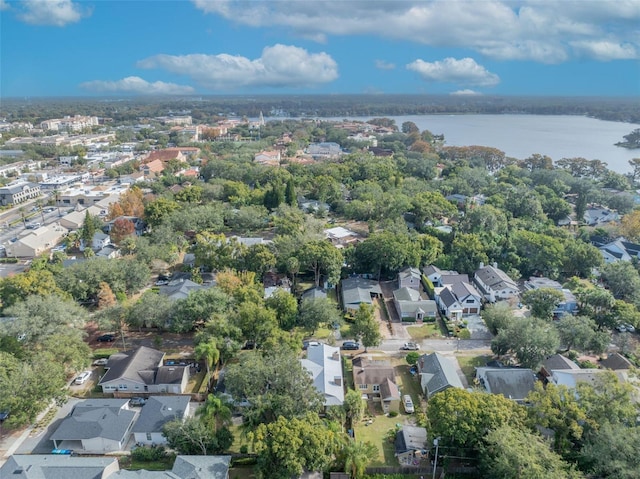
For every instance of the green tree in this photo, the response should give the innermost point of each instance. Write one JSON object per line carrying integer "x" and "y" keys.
{"x": 89, "y": 227}
{"x": 580, "y": 332}
{"x": 508, "y": 452}
{"x": 597, "y": 303}
{"x": 315, "y": 312}
{"x": 32, "y": 282}
{"x": 215, "y": 412}
{"x": 197, "y": 308}
{"x": 193, "y": 437}
{"x": 286, "y": 308}
{"x": 581, "y": 258}
{"x": 277, "y": 386}
{"x": 155, "y": 211}
{"x": 462, "y": 418}
{"x": 288, "y": 447}
{"x": 365, "y": 327}
{"x": 385, "y": 252}
{"x": 498, "y": 316}
{"x": 623, "y": 280}
{"x": 542, "y": 301}
{"x": 353, "y": 405}
{"x": 208, "y": 351}
{"x": 467, "y": 252}
{"x": 321, "y": 257}
{"x": 151, "y": 310}
{"x": 256, "y": 322}
{"x": 531, "y": 339}
{"x": 358, "y": 455}
{"x": 612, "y": 452}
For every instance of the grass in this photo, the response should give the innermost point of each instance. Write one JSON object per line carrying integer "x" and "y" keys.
{"x": 377, "y": 433}
{"x": 469, "y": 363}
{"x": 126, "y": 462}
{"x": 195, "y": 381}
{"x": 242, "y": 472}
{"x": 239, "y": 440}
{"x": 424, "y": 331}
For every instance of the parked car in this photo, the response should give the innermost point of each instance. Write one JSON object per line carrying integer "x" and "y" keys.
{"x": 82, "y": 378}
{"x": 4, "y": 415}
{"x": 408, "y": 404}
{"x": 351, "y": 345}
{"x": 137, "y": 401}
{"x": 62, "y": 451}
{"x": 621, "y": 328}
{"x": 631, "y": 328}
{"x": 411, "y": 346}
{"x": 101, "y": 362}
{"x": 307, "y": 343}
{"x": 161, "y": 282}
{"x": 106, "y": 338}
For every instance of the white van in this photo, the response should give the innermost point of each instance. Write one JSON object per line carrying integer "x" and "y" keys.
{"x": 82, "y": 378}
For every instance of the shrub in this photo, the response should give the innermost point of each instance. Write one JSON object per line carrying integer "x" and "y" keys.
{"x": 244, "y": 449}
{"x": 412, "y": 357}
{"x": 148, "y": 454}
{"x": 464, "y": 334}
{"x": 393, "y": 413}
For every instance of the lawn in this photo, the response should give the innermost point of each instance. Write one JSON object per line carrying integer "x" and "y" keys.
{"x": 166, "y": 464}
{"x": 468, "y": 363}
{"x": 424, "y": 331}
{"x": 377, "y": 433}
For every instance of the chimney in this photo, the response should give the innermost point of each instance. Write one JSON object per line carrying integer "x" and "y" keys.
{"x": 336, "y": 356}
{"x": 337, "y": 380}
{"x": 481, "y": 265}
{"x": 495, "y": 264}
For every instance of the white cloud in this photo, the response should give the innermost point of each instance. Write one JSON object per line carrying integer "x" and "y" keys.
{"x": 605, "y": 50}
{"x": 279, "y": 66}
{"x": 465, "y": 92}
{"x": 462, "y": 72}
{"x": 539, "y": 30}
{"x": 4, "y": 5}
{"x": 382, "y": 65}
{"x": 137, "y": 86}
{"x": 52, "y": 12}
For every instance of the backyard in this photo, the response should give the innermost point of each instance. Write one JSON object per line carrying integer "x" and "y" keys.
{"x": 469, "y": 363}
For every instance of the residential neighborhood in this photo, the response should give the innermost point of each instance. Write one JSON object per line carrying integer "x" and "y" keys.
{"x": 186, "y": 296}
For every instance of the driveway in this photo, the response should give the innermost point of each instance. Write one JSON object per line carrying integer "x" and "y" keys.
{"x": 477, "y": 328}
{"x": 398, "y": 330}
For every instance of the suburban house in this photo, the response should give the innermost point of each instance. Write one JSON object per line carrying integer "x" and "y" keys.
{"x": 139, "y": 225}
{"x": 152, "y": 168}
{"x": 50, "y": 466}
{"x": 435, "y": 274}
{"x": 411, "y": 445}
{"x": 53, "y": 466}
{"x": 75, "y": 219}
{"x": 572, "y": 377}
{"x": 494, "y": 283}
{"x": 314, "y": 293}
{"x": 598, "y": 215}
{"x": 324, "y": 364}
{"x": 411, "y": 307}
{"x": 141, "y": 371}
{"x": 35, "y": 242}
{"x": 156, "y": 412}
{"x": 376, "y": 380}
{"x": 616, "y": 362}
{"x": 327, "y": 149}
{"x": 409, "y": 277}
{"x": 109, "y": 251}
{"x": 180, "y": 288}
{"x": 512, "y": 383}
{"x": 618, "y": 250}
{"x": 270, "y": 158}
{"x": 100, "y": 240}
{"x": 341, "y": 237}
{"x": 357, "y": 290}
{"x": 555, "y": 361}
{"x": 458, "y": 298}
{"x": 96, "y": 426}
{"x": 437, "y": 373}
{"x": 569, "y": 305}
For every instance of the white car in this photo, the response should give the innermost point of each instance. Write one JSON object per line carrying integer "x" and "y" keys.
{"x": 82, "y": 378}
{"x": 101, "y": 362}
{"x": 408, "y": 404}
{"x": 411, "y": 346}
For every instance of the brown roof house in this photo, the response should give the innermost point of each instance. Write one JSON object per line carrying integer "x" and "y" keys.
{"x": 142, "y": 371}
{"x": 376, "y": 379}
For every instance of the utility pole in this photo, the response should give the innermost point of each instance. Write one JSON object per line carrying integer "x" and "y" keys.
{"x": 436, "y": 443}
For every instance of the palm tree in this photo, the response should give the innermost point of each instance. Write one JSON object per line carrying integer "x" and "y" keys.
{"x": 357, "y": 456}
{"x": 215, "y": 412}
{"x": 208, "y": 351}
{"x": 23, "y": 216}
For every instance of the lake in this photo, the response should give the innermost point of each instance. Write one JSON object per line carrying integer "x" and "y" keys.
{"x": 520, "y": 136}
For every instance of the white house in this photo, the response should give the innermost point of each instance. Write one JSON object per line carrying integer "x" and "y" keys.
{"x": 35, "y": 242}
{"x": 458, "y": 299}
{"x": 411, "y": 307}
{"x": 324, "y": 364}
{"x": 157, "y": 411}
{"x": 409, "y": 277}
{"x": 494, "y": 283}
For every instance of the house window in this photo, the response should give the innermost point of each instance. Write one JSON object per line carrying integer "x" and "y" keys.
{"x": 363, "y": 386}
{"x": 470, "y": 300}
{"x": 376, "y": 388}
{"x": 122, "y": 386}
{"x": 148, "y": 436}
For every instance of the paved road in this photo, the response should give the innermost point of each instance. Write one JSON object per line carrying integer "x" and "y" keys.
{"x": 437, "y": 345}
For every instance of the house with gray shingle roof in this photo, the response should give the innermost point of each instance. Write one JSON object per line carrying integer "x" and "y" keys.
{"x": 556, "y": 361}
{"x": 52, "y": 466}
{"x": 437, "y": 373}
{"x": 512, "y": 383}
{"x": 96, "y": 426}
{"x": 142, "y": 371}
{"x": 410, "y": 442}
{"x": 494, "y": 283}
{"x": 616, "y": 362}
{"x": 324, "y": 364}
{"x": 411, "y": 306}
{"x": 409, "y": 277}
{"x": 357, "y": 290}
{"x": 377, "y": 380}
{"x": 156, "y": 412}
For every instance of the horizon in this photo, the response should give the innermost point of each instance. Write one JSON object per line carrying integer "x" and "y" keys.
{"x": 199, "y": 48}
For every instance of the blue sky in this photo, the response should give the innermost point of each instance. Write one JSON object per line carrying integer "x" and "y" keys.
{"x": 194, "y": 47}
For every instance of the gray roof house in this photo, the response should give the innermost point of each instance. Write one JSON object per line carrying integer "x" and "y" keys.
{"x": 377, "y": 380}
{"x": 180, "y": 288}
{"x": 50, "y": 466}
{"x": 411, "y": 306}
{"x": 569, "y": 305}
{"x": 142, "y": 371}
{"x": 410, "y": 278}
{"x": 358, "y": 290}
{"x": 157, "y": 411}
{"x": 324, "y": 364}
{"x": 314, "y": 293}
{"x": 457, "y": 297}
{"x": 494, "y": 283}
{"x": 512, "y": 383}
{"x": 557, "y": 362}
{"x": 96, "y": 425}
{"x": 437, "y": 373}
{"x": 616, "y": 362}
{"x": 410, "y": 444}
{"x": 435, "y": 274}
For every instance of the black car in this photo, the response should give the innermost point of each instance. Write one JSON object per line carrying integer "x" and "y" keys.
{"x": 4, "y": 415}
{"x": 137, "y": 401}
{"x": 350, "y": 345}
{"x": 106, "y": 338}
